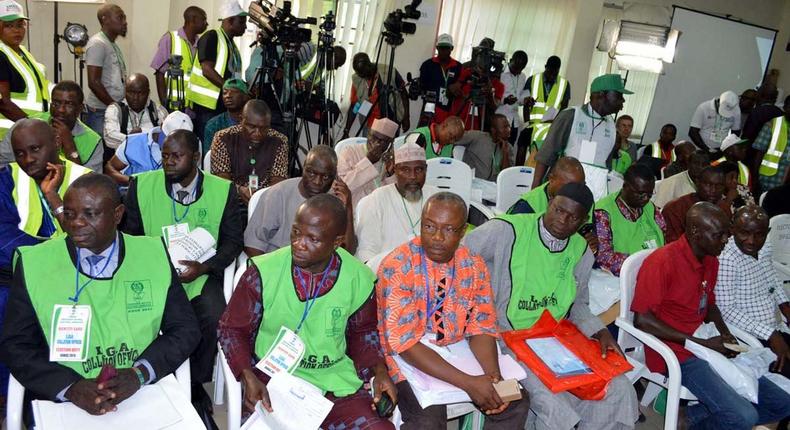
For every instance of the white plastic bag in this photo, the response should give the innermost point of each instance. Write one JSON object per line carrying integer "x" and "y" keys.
{"x": 742, "y": 382}
{"x": 604, "y": 291}
{"x": 779, "y": 380}
{"x": 755, "y": 362}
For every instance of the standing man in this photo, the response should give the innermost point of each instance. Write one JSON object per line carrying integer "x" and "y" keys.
{"x": 217, "y": 60}
{"x": 439, "y": 138}
{"x": 713, "y": 120}
{"x": 765, "y": 111}
{"x": 179, "y": 193}
{"x": 234, "y": 96}
{"x": 488, "y": 153}
{"x": 547, "y": 90}
{"x": 771, "y": 155}
{"x": 439, "y": 80}
{"x": 586, "y": 133}
{"x": 435, "y": 268}
{"x": 366, "y": 167}
{"x": 182, "y": 43}
{"x": 23, "y": 85}
{"x": 515, "y": 93}
{"x": 746, "y": 104}
{"x": 106, "y": 65}
{"x": 674, "y": 295}
{"x": 136, "y": 113}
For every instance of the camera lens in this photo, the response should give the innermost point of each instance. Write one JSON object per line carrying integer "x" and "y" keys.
{"x": 408, "y": 28}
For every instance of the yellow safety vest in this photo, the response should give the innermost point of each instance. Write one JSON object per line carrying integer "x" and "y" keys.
{"x": 182, "y": 48}
{"x": 36, "y": 85}
{"x": 542, "y": 102}
{"x": 743, "y": 171}
{"x": 770, "y": 163}
{"x": 202, "y": 91}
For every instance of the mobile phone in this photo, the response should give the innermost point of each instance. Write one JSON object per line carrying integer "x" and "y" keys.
{"x": 385, "y": 407}
{"x": 108, "y": 372}
{"x": 586, "y": 228}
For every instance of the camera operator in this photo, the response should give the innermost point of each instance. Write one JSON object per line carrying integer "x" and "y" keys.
{"x": 486, "y": 42}
{"x": 366, "y": 83}
{"x": 439, "y": 80}
{"x": 482, "y": 89}
{"x": 183, "y": 43}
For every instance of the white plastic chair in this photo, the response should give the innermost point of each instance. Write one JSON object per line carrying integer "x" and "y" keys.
{"x": 511, "y": 183}
{"x": 16, "y": 396}
{"x": 348, "y": 142}
{"x": 779, "y": 236}
{"x": 633, "y": 341}
{"x": 762, "y": 197}
{"x": 399, "y": 141}
{"x": 614, "y": 182}
{"x": 207, "y": 162}
{"x": 452, "y": 175}
{"x": 458, "y": 152}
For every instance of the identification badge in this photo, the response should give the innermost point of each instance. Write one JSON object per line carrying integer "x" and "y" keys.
{"x": 443, "y": 97}
{"x": 356, "y": 107}
{"x": 703, "y": 302}
{"x": 650, "y": 244}
{"x": 430, "y": 108}
{"x": 285, "y": 353}
{"x": 252, "y": 182}
{"x": 70, "y": 333}
{"x": 587, "y": 151}
{"x": 174, "y": 232}
{"x": 364, "y": 108}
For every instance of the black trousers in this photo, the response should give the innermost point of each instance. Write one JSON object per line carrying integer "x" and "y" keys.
{"x": 208, "y": 307}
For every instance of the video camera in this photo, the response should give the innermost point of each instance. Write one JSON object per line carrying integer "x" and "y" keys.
{"x": 488, "y": 61}
{"x": 395, "y": 26}
{"x": 280, "y": 24}
{"x": 174, "y": 66}
{"x": 416, "y": 91}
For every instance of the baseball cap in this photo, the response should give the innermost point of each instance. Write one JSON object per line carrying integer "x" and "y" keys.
{"x": 11, "y": 11}
{"x": 229, "y": 9}
{"x": 176, "y": 120}
{"x": 610, "y": 82}
{"x": 236, "y": 84}
{"x": 444, "y": 41}
{"x": 728, "y": 104}
{"x": 731, "y": 140}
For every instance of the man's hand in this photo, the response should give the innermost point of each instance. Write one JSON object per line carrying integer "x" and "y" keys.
{"x": 778, "y": 345}
{"x": 389, "y": 163}
{"x": 86, "y": 395}
{"x": 136, "y": 130}
{"x": 509, "y": 100}
{"x": 192, "y": 271}
{"x": 244, "y": 194}
{"x": 122, "y": 386}
{"x": 604, "y": 337}
{"x": 383, "y": 384}
{"x": 63, "y": 136}
{"x": 529, "y": 102}
{"x": 717, "y": 344}
{"x": 455, "y": 89}
{"x": 592, "y": 240}
{"x": 375, "y": 153}
{"x": 254, "y": 391}
{"x": 483, "y": 394}
{"x": 340, "y": 190}
{"x": 51, "y": 183}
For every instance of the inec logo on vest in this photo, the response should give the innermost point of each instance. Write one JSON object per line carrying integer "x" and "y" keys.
{"x": 334, "y": 322}
{"x": 139, "y": 296}
{"x": 202, "y": 215}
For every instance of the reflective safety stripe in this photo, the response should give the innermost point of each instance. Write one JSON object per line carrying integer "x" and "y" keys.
{"x": 32, "y": 99}
{"x": 542, "y": 101}
{"x": 22, "y": 190}
{"x": 201, "y": 90}
{"x": 776, "y": 148}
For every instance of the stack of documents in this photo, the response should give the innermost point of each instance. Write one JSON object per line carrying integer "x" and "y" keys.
{"x": 557, "y": 357}
{"x": 296, "y": 405}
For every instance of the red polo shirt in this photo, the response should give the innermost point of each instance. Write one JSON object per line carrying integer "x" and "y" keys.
{"x": 670, "y": 284}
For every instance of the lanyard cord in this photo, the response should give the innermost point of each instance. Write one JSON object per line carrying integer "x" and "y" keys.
{"x": 176, "y": 218}
{"x": 308, "y": 305}
{"x": 77, "y": 288}
{"x": 428, "y": 308}
{"x": 412, "y": 224}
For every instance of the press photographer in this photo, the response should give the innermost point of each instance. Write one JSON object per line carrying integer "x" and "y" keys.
{"x": 481, "y": 87}
{"x": 439, "y": 82}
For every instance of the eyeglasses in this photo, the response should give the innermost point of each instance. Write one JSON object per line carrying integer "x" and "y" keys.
{"x": 448, "y": 230}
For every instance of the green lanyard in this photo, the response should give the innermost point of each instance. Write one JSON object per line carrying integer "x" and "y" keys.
{"x": 118, "y": 54}
{"x": 412, "y": 224}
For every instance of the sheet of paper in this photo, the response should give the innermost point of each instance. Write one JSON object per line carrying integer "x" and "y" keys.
{"x": 587, "y": 151}
{"x": 550, "y": 114}
{"x": 198, "y": 245}
{"x": 296, "y": 404}
{"x": 557, "y": 357}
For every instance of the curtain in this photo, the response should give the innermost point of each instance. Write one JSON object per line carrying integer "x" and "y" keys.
{"x": 541, "y": 28}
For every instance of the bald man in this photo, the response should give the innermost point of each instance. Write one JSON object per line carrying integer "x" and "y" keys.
{"x": 439, "y": 140}
{"x": 567, "y": 170}
{"x": 338, "y": 330}
{"x": 674, "y": 295}
{"x": 107, "y": 69}
{"x": 136, "y": 113}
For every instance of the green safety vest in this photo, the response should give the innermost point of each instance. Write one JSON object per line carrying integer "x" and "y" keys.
{"x": 541, "y": 279}
{"x": 743, "y": 171}
{"x": 542, "y": 103}
{"x": 539, "y": 132}
{"x": 86, "y": 142}
{"x": 29, "y": 201}
{"x": 156, "y": 210}
{"x": 537, "y": 198}
{"x": 622, "y": 164}
{"x": 447, "y": 150}
{"x": 325, "y": 363}
{"x": 126, "y": 310}
{"x": 36, "y": 92}
{"x": 770, "y": 163}
{"x": 179, "y": 46}
{"x": 200, "y": 89}
{"x": 629, "y": 237}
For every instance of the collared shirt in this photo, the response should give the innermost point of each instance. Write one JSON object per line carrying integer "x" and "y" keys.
{"x": 482, "y": 154}
{"x": 551, "y": 242}
{"x": 269, "y": 228}
{"x": 11, "y": 237}
{"x": 678, "y": 289}
{"x": 607, "y": 258}
{"x": 163, "y": 49}
{"x": 713, "y": 127}
{"x": 748, "y": 290}
{"x": 113, "y": 136}
{"x": 675, "y": 214}
{"x": 467, "y": 309}
{"x": 189, "y": 190}
{"x": 109, "y": 257}
{"x": 761, "y": 143}
{"x": 514, "y": 86}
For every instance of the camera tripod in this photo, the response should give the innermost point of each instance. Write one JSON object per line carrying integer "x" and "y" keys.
{"x": 174, "y": 77}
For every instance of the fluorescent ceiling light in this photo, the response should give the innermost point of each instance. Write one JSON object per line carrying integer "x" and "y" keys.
{"x": 639, "y": 64}
{"x": 639, "y": 49}
{"x": 669, "y": 49}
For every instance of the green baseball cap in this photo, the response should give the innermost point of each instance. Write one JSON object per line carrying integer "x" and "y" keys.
{"x": 610, "y": 82}
{"x": 236, "y": 84}
{"x": 11, "y": 11}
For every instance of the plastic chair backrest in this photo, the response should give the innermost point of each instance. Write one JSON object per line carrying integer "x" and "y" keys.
{"x": 614, "y": 183}
{"x": 399, "y": 141}
{"x": 628, "y": 273}
{"x": 207, "y": 162}
{"x": 256, "y": 197}
{"x": 452, "y": 175}
{"x": 779, "y": 235}
{"x": 348, "y": 142}
{"x": 762, "y": 197}
{"x": 511, "y": 183}
{"x": 458, "y": 152}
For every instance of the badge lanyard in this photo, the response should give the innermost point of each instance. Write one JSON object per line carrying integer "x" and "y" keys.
{"x": 592, "y": 122}
{"x": 428, "y": 308}
{"x": 412, "y": 224}
{"x": 703, "y": 301}
{"x": 308, "y": 305}
{"x": 176, "y": 218}
{"x": 77, "y": 288}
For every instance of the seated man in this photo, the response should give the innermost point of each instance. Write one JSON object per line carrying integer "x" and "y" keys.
{"x": 268, "y": 230}
{"x": 674, "y": 295}
{"x": 252, "y": 154}
{"x": 735, "y": 193}
{"x": 683, "y": 151}
{"x": 734, "y": 149}
{"x": 271, "y": 297}
{"x": 116, "y": 275}
{"x": 235, "y": 95}
{"x": 438, "y": 139}
{"x": 466, "y": 314}
{"x": 748, "y": 290}
{"x": 78, "y": 143}
{"x": 160, "y": 201}
{"x": 627, "y": 221}
{"x": 391, "y": 214}
{"x": 488, "y": 153}
{"x": 366, "y": 167}
{"x": 684, "y": 182}
{"x": 567, "y": 170}
{"x": 136, "y": 113}
{"x": 660, "y": 153}
{"x": 539, "y": 259}
{"x": 142, "y": 152}
{"x": 710, "y": 188}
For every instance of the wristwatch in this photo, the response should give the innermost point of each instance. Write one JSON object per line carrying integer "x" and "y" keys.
{"x": 74, "y": 155}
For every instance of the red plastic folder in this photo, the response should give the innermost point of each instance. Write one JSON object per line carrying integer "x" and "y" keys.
{"x": 591, "y": 386}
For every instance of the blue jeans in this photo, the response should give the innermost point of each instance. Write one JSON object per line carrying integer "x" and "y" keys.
{"x": 95, "y": 120}
{"x": 720, "y": 407}
{"x": 3, "y": 369}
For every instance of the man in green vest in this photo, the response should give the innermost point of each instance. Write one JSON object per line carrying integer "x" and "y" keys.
{"x": 539, "y": 263}
{"x": 567, "y": 170}
{"x": 178, "y": 198}
{"x": 217, "y": 60}
{"x": 771, "y": 159}
{"x": 317, "y": 298}
{"x": 125, "y": 307}
{"x": 439, "y": 140}
{"x": 627, "y": 221}
{"x": 23, "y": 85}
